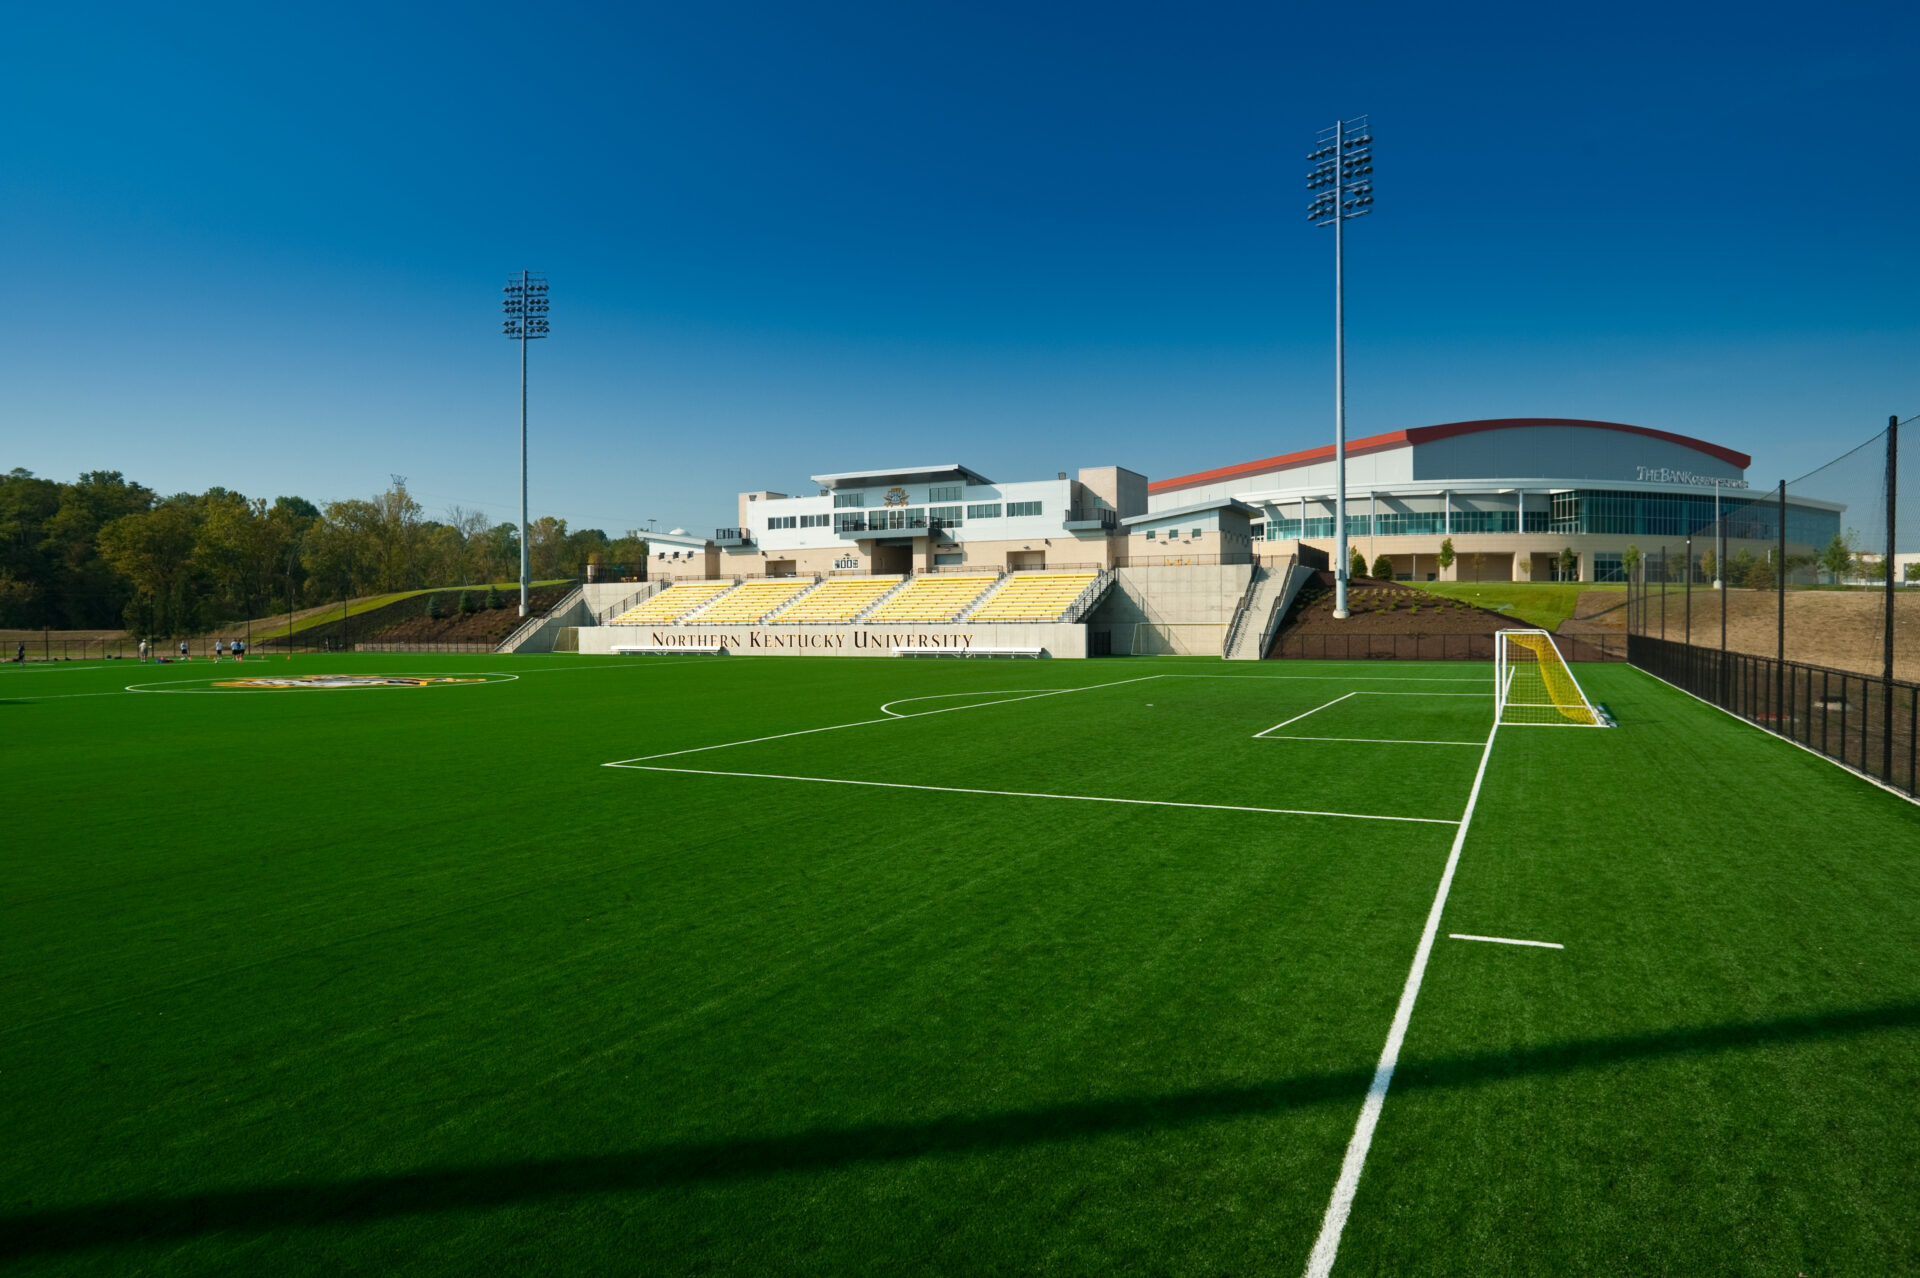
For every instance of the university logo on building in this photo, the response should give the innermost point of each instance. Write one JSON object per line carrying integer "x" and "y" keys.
{"x": 895, "y": 497}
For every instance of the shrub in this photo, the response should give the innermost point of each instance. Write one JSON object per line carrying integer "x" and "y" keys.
{"x": 466, "y": 603}
{"x": 1446, "y": 554}
{"x": 495, "y": 599}
{"x": 435, "y": 609}
{"x": 1383, "y": 568}
{"x": 1356, "y": 563}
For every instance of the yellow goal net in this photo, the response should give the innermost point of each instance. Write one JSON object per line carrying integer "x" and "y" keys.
{"x": 1532, "y": 684}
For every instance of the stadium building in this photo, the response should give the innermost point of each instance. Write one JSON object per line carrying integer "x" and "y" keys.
{"x": 943, "y": 558}
{"x": 1511, "y": 494}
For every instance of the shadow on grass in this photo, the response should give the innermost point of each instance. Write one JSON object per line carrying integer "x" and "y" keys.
{"x": 350, "y": 1202}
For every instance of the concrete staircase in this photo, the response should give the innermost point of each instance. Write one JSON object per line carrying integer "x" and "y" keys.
{"x": 1269, "y": 596}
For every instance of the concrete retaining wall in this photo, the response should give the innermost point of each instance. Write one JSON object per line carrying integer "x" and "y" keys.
{"x": 840, "y": 641}
{"x": 1158, "y": 611}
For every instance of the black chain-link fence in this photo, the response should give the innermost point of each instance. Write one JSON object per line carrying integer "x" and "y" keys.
{"x": 1798, "y": 608}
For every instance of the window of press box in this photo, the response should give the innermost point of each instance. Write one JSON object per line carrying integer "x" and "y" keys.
{"x": 814, "y": 521}
{"x": 948, "y": 493}
{"x": 779, "y": 522}
{"x": 1016, "y": 509}
{"x": 989, "y": 510}
{"x": 946, "y": 514}
{"x": 849, "y": 499}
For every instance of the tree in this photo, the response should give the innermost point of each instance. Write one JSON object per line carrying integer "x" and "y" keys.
{"x": 1912, "y": 571}
{"x": 1479, "y": 561}
{"x": 1569, "y": 563}
{"x": 1837, "y": 558}
{"x": 1874, "y": 569}
{"x": 435, "y": 609}
{"x": 1446, "y": 554}
{"x": 494, "y": 598}
{"x": 1523, "y": 568}
{"x": 466, "y": 603}
{"x": 1709, "y": 566}
{"x": 1356, "y": 563}
{"x": 1761, "y": 575}
{"x": 153, "y": 550}
{"x": 1383, "y": 567}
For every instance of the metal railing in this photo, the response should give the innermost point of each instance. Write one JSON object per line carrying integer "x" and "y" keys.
{"x": 1868, "y": 723}
{"x": 533, "y": 623}
{"x": 1436, "y": 647}
{"x": 1240, "y": 611}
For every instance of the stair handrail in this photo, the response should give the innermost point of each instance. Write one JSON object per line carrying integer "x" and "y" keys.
{"x": 1273, "y": 611}
{"x": 1240, "y": 611}
{"x": 532, "y": 624}
{"x": 1090, "y": 598}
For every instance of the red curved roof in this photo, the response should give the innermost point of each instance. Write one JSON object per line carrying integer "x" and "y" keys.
{"x": 1426, "y": 434}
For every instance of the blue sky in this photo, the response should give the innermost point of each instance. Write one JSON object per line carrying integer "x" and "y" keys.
{"x": 263, "y": 246}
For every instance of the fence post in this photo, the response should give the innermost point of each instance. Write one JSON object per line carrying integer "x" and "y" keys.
{"x": 1893, "y": 476}
{"x": 1780, "y": 614}
{"x": 1688, "y": 569}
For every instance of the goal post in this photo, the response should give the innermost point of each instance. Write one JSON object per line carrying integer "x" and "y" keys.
{"x": 1533, "y": 685}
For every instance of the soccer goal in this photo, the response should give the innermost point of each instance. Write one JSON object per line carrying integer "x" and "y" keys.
{"x": 1532, "y": 683}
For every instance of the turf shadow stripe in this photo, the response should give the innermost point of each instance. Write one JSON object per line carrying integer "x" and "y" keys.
{"x": 335, "y": 1203}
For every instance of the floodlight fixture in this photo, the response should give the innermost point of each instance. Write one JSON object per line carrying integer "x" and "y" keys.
{"x": 1343, "y": 161}
{"x": 525, "y": 306}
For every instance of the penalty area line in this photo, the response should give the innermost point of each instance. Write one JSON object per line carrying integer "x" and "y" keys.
{"x": 1327, "y": 1246}
{"x": 1298, "y": 717}
{"x": 1504, "y": 940}
{"x": 1031, "y": 794}
{"x": 862, "y": 723}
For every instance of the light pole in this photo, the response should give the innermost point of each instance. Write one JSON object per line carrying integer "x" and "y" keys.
{"x": 525, "y": 306}
{"x": 1343, "y": 185}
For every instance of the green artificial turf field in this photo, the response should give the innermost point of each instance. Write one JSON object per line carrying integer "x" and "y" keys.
{"x": 1049, "y": 966}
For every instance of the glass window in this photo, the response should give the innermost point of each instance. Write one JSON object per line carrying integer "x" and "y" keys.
{"x": 813, "y": 521}
{"x": 945, "y": 514}
{"x": 1195, "y": 533}
{"x": 779, "y": 522}
{"x": 849, "y": 499}
{"x": 988, "y": 510}
{"x": 1609, "y": 566}
{"x": 947, "y": 493}
{"x": 1018, "y": 509}
{"x": 847, "y": 523}
{"x": 1149, "y": 534}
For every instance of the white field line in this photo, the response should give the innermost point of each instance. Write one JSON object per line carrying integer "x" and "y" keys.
{"x": 1503, "y": 940}
{"x": 61, "y": 696}
{"x": 1366, "y": 740}
{"x": 1316, "y": 710}
{"x": 1030, "y": 794}
{"x": 1335, "y": 678}
{"x": 1844, "y": 767}
{"x": 887, "y": 708}
{"x": 861, "y": 723}
{"x": 1327, "y": 1247}
{"x": 1375, "y": 692}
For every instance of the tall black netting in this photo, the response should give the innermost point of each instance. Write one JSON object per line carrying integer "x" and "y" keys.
{"x": 1779, "y": 607}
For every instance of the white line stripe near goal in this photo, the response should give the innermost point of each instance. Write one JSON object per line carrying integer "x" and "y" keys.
{"x": 1327, "y": 1246}
{"x": 1298, "y": 717}
{"x": 1030, "y": 794}
{"x": 1286, "y": 736}
{"x": 1504, "y": 940}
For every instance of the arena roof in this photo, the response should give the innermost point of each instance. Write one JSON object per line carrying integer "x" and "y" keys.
{"x": 902, "y": 475}
{"x": 1426, "y": 434}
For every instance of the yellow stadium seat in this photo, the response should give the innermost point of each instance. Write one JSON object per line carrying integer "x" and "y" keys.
{"x": 1034, "y": 596}
{"x": 671, "y": 604}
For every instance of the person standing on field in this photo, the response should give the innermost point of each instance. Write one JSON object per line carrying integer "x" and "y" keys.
{"x": 183, "y": 650}
{"x": 143, "y": 652}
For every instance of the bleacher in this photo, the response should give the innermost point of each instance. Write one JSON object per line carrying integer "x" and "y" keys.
{"x": 1034, "y": 596}
{"x": 673, "y": 603}
{"x": 838, "y": 601}
{"x": 933, "y": 597}
{"x": 750, "y": 604}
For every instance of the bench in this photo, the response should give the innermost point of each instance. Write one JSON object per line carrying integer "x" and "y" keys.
{"x": 978, "y": 650}
{"x": 668, "y": 650}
